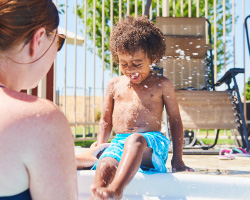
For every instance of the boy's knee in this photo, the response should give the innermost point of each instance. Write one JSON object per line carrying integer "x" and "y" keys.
{"x": 137, "y": 138}
{"x": 107, "y": 164}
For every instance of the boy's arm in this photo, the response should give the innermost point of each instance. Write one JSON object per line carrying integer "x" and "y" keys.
{"x": 176, "y": 127}
{"x": 105, "y": 124}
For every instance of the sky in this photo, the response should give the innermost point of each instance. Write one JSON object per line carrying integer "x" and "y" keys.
{"x": 70, "y": 58}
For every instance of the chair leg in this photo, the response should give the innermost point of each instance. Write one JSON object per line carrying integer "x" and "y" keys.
{"x": 215, "y": 141}
{"x": 236, "y": 141}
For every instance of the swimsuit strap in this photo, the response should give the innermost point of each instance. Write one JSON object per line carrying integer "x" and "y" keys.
{"x": 21, "y": 196}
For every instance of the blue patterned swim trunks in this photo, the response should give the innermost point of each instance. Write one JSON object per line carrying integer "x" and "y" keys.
{"x": 156, "y": 141}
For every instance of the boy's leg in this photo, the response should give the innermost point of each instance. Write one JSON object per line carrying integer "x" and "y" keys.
{"x": 105, "y": 173}
{"x": 135, "y": 149}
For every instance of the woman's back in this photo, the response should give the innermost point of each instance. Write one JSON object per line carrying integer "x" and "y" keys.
{"x": 36, "y": 145}
{"x": 34, "y": 138}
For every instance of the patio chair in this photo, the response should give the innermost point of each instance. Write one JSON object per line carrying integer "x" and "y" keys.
{"x": 247, "y": 21}
{"x": 247, "y": 33}
{"x": 188, "y": 63}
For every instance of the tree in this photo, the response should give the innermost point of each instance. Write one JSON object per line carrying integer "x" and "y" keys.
{"x": 98, "y": 10}
{"x": 247, "y": 90}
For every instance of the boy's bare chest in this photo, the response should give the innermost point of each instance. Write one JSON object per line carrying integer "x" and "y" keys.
{"x": 143, "y": 94}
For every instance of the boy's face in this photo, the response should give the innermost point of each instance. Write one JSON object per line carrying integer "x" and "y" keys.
{"x": 136, "y": 67}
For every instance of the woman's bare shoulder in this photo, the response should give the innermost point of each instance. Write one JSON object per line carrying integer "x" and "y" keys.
{"x": 29, "y": 112}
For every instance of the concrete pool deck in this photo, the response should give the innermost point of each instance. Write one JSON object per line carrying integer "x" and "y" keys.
{"x": 208, "y": 164}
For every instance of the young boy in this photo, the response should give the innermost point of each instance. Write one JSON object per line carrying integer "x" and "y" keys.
{"x": 133, "y": 106}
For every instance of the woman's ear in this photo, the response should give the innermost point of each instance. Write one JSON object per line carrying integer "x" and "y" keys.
{"x": 36, "y": 42}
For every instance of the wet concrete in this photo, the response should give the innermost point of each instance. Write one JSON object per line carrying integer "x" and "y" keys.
{"x": 211, "y": 164}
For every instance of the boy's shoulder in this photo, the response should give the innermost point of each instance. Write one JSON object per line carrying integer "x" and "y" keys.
{"x": 160, "y": 79}
{"x": 117, "y": 79}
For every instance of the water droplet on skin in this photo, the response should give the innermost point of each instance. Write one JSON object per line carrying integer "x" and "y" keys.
{"x": 198, "y": 46}
{"x": 195, "y": 54}
{"x": 134, "y": 120}
{"x": 145, "y": 86}
{"x": 168, "y": 96}
{"x": 185, "y": 29}
{"x": 159, "y": 85}
{"x": 147, "y": 123}
{"x": 190, "y": 42}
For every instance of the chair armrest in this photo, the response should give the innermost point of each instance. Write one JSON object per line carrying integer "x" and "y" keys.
{"x": 229, "y": 75}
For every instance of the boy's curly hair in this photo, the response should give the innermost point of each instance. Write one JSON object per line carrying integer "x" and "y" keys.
{"x": 132, "y": 34}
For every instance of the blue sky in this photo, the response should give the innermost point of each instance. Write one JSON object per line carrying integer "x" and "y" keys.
{"x": 98, "y": 75}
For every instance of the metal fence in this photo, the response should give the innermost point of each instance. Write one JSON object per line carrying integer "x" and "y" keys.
{"x": 83, "y": 61}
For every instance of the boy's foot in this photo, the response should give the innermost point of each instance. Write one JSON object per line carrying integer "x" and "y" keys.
{"x": 105, "y": 193}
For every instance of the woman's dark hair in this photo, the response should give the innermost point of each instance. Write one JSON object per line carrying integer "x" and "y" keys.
{"x": 19, "y": 19}
{"x": 132, "y": 34}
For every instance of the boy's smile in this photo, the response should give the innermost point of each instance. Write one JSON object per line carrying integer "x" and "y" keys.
{"x": 136, "y": 66}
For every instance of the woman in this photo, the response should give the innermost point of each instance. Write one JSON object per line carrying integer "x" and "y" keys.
{"x": 36, "y": 145}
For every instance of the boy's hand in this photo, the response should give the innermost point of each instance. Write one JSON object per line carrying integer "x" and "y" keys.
{"x": 179, "y": 165}
{"x": 90, "y": 157}
{"x": 96, "y": 149}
